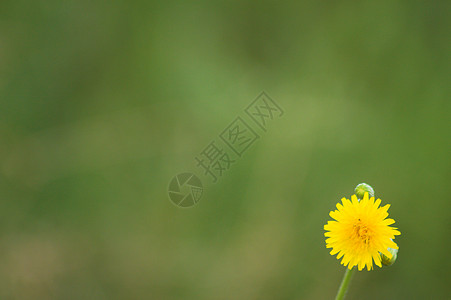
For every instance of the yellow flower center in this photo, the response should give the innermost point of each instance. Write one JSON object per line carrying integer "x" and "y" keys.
{"x": 361, "y": 232}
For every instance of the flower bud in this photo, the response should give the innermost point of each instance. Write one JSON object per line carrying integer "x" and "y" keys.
{"x": 389, "y": 261}
{"x": 361, "y": 188}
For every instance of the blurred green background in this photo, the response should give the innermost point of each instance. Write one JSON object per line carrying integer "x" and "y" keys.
{"x": 102, "y": 103}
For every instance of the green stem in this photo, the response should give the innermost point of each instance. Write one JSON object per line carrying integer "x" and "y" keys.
{"x": 344, "y": 284}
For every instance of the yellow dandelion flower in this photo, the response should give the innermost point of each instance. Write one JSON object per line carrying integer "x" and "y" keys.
{"x": 360, "y": 232}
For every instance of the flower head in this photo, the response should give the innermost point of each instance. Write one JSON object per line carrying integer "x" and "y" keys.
{"x": 360, "y": 232}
